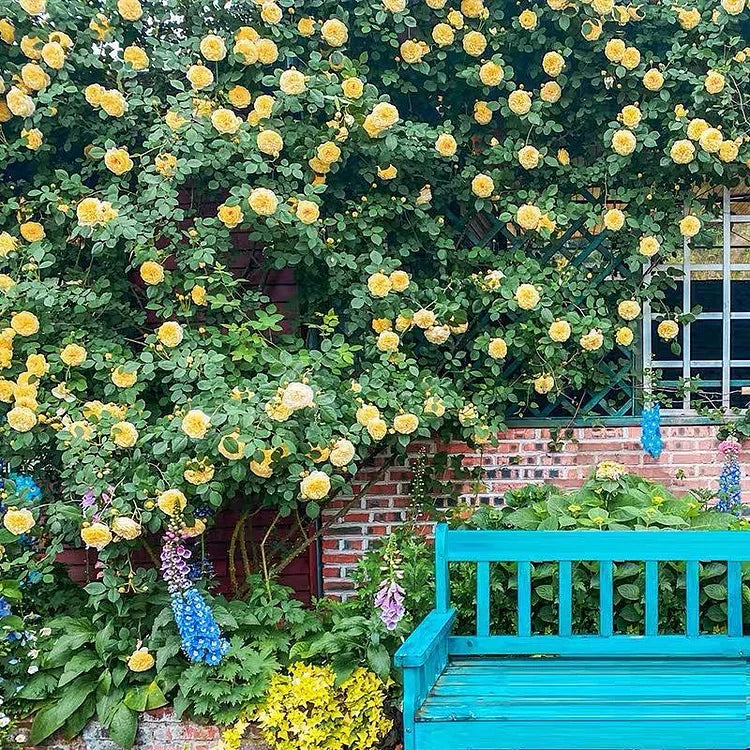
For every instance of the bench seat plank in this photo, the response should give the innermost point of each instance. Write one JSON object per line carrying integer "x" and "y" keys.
{"x": 522, "y": 696}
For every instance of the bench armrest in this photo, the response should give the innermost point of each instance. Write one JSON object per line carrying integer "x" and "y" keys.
{"x": 419, "y": 646}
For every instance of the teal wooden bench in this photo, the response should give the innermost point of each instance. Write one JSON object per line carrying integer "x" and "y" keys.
{"x": 570, "y": 691}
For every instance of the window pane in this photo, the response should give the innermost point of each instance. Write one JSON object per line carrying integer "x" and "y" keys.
{"x": 740, "y": 378}
{"x": 740, "y": 340}
{"x": 707, "y": 293}
{"x": 706, "y": 392}
{"x": 740, "y": 291}
{"x": 706, "y": 339}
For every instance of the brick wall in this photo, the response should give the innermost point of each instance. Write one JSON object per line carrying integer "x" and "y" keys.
{"x": 157, "y": 730}
{"x": 690, "y": 461}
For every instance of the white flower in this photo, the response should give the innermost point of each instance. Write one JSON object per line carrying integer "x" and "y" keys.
{"x": 33, "y": 669}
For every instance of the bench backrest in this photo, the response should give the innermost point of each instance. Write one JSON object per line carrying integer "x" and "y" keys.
{"x": 606, "y": 548}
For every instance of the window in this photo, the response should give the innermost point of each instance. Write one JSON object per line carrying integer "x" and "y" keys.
{"x": 716, "y": 347}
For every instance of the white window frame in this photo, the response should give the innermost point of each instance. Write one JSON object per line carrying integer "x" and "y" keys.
{"x": 726, "y": 316}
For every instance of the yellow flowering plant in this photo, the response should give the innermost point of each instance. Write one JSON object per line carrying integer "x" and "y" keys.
{"x": 461, "y": 199}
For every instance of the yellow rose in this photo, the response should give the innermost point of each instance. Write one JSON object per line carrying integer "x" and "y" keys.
{"x": 152, "y": 272}
{"x": 714, "y": 82}
{"x": 387, "y": 173}
{"x": 682, "y": 152}
{"x": 328, "y": 152}
{"x": 399, "y": 281}
{"x": 528, "y": 216}
{"x": 559, "y": 330}
{"x": 623, "y": 142}
{"x": 528, "y": 157}
{"x": 97, "y": 535}
{"x": 135, "y": 57}
{"x": 34, "y": 77}
{"x": 696, "y": 128}
{"x": 306, "y": 26}
{"x": 170, "y": 333}
{"x": 379, "y": 284}
{"x": 544, "y": 383}
{"x": 648, "y": 245}
{"x": 377, "y": 428}
{"x": 31, "y": 46}
{"x": 126, "y": 528}
{"x": 8, "y": 244}
{"x": 591, "y": 30}
{"x": 73, "y": 355}
{"x": 711, "y": 140}
{"x": 6, "y": 282}
{"x": 171, "y": 502}
{"x": 446, "y": 144}
{"x": 630, "y": 116}
{"x": 124, "y": 378}
{"x": 268, "y": 52}
{"x": 199, "y": 473}
{"x": 690, "y": 226}
{"x": 553, "y": 64}
{"x": 550, "y": 92}
{"x": 413, "y": 51}
{"x": 528, "y": 20}
{"x": 7, "y": 31}
{"x": 334, "y": 32}
{"x": 19, "y": 103}
{"x": 315, "y": 486}
{"x": 199, "y": 295}
{"x": 631, "y": 58}
{"x": 18, "y": 522}
{"x": 614, "y": 49}
{"x": 118, "y": 161}
{"x": 728, "y": 151}
{"x": 519, "y": 102}
{"x": 455, "y": 18}
{"x": 307, "y": 212}
{"x": 424, "y": 318}
{"x": 482, "y": 113}
{"x": 263, "y": 201}
{"x": 497, "y": 348}
{"x": 32, "y": 231}
{"x": 434, "y": 405}
{"x": 165, "y": 164}
{"x": 629, "y": 309}
{"x": 482, "y": 186}
{"x": 34, "y": 7}
{"x": 124, "y": 434}
{"x": 592, "y": 340}
{"x": 230, "y": 216}
{"x": 491, "y": 74}
{"x": 443, "y": 35}
{"x": 527, "y": 296}
{"x": 195, "y": 424}
{"x": 225, "y": 121}
{"x": 352, "y": 88}
{"x": 624, "y": 336}
{"x": 381, "y": 324}
{"x": 200, "y": 77}
{"x": 292, "y": 82}
{"x": 388, "y": 341}
{"x": 239, "y": 96}
{"x": 733, "y": 7}
{"x": 406, "y": 423}
{"x": 614, "y": 219}
{"x": 37, "y": 365}
{"x": 688, "y": 18}
{"x": 174, "y": 121}
{"x": 212, "y": 48}
{"x": 270, "y": 142}
{"x": 270, "y": 12}
{"x": 130, "y": 10}
{"x": 113, "y": 103}
{"x": 474, "y": 43}
{"x": 668, "y": 329}
{"x": 140, "y": 660}
{"x": 24, "y": 323}
{"x": 603, "y": 7}
{"x": 653, "y": 80}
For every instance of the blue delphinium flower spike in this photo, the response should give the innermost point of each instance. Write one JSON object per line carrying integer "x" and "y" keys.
{"x": 651, "y": 441}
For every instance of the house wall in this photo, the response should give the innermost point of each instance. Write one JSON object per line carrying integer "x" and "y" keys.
{"x": 690, "y": 460}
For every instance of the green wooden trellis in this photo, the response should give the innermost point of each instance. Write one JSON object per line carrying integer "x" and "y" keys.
{"x": 619, "y": 401}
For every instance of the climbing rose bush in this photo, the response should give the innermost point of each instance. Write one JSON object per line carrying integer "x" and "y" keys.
{"x": 475, "y": 201}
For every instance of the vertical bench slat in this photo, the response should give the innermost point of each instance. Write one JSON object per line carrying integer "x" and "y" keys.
{"x": 442, "y": 581}
{"x": 565, "y": 598}
{"x": 691, "y": 599}
{"x": 605, "y": 597}
{"x": 524, "y": 598}
{"x": 483, "y": 598}
{"x": 652, "y": 597}
{"x": 734, "y": 598}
